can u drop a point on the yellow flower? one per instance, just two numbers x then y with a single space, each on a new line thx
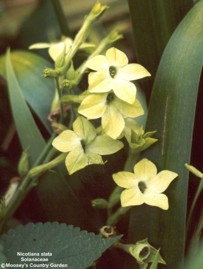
144 185
57 49
111 109
83 145
114 73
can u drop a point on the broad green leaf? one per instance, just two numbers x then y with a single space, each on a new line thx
195 261
28 132
153 23
64 244
41 26
37 90
171 113
61 18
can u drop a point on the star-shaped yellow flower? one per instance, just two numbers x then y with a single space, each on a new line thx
83 145
144 185
114 73
111 109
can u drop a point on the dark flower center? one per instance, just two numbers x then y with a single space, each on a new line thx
142 186
83 144
112 71
110 97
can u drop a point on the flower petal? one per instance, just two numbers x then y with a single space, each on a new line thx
133 72
131 197
104 145
94 158
40 46
84 129
99 84
129 110
145 170
112 122
66 141
124 90
76 160
56 49
161 181
116 57
125 179
97 62
159 200
93 106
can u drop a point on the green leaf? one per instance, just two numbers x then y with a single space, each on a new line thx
38 91
29 134
171 113
65 244
155 262
61 18
41 26
153 24
195 261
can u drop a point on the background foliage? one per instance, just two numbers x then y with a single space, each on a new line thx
165 37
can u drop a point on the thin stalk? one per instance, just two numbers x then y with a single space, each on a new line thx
199 189
60 99
116 216
103 45
29 182
81 36
114 198
195 241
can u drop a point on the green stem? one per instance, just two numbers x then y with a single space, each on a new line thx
60 99
116 216
81 36
112 37
195 241
114 198
199 189
29 182
131 160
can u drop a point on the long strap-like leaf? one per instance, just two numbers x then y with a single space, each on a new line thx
153 24
171 113
28 132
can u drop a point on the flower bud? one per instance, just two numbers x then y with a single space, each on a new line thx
98 9
100 203
194 170
23 165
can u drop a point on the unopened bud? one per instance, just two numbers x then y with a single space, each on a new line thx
58 127
100 203
98 9
52 73
194 170
23 165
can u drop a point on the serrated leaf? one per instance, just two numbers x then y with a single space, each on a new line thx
66 244
37 90
28 132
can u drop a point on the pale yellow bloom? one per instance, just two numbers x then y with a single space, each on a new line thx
83 145
57 49
144 185
114 73
111 109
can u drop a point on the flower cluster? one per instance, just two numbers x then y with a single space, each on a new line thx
111 93
111 96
